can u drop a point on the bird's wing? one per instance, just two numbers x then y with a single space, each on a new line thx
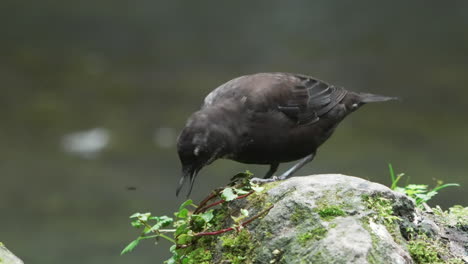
308 98
301 98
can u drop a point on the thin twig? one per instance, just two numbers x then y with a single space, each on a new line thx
222 201
167 230
167 238
157 232
147 225
257 216
217 232
207 199
183 246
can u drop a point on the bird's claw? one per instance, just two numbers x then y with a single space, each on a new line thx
260 180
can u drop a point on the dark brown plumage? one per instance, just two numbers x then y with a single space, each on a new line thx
265 118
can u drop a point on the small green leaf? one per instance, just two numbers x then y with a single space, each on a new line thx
144 217
185 204
173 249
207 216
183 213
162 221
416 187
172 260
135 215
130 246
228 194
244 212
136 224
248 173
240 191
175 256
184 239
166 219
257 188
182 229
400 190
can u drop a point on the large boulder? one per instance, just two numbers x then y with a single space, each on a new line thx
334 219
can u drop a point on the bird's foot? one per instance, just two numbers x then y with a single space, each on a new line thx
262 180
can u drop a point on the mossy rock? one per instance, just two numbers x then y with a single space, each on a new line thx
328 219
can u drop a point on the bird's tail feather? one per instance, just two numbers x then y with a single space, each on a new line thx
373 98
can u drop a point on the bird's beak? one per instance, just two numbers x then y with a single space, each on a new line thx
190 174
373 98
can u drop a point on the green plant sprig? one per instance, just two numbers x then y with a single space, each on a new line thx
419 192
189 225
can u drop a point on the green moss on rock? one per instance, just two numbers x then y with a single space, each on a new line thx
237 248
382 207
329 212
424 249
299 214
199 256
220 214
456 216
312 235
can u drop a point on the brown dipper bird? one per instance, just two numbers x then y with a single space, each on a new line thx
265 118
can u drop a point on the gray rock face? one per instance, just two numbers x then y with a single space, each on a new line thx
334 203
332 219
6 257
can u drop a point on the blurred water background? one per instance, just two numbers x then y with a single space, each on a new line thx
94 93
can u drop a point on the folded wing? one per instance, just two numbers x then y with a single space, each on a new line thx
310 99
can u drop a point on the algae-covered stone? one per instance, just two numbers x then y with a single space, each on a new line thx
330 219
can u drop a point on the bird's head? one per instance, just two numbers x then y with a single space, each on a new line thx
353 101
200 143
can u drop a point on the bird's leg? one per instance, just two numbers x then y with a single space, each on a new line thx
288 173
296 167
273 168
